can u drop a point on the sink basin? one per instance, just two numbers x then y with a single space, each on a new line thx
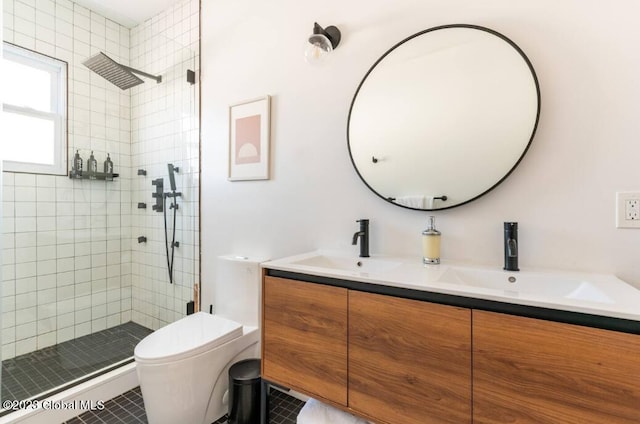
347 263
514 283
599 294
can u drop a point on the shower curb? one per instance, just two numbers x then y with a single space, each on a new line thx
101 388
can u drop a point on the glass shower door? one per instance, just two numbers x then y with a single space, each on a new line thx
78 288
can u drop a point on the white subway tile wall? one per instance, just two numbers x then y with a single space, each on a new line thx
164 129
71 261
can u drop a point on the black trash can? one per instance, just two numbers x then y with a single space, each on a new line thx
244 392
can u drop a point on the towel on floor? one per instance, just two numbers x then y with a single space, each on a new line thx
315 412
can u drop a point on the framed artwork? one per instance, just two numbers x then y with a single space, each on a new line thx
249 144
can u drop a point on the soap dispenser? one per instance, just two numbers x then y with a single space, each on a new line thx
92 167
431 243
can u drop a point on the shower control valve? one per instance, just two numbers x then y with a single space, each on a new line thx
158 195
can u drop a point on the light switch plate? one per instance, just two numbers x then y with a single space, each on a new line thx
628 209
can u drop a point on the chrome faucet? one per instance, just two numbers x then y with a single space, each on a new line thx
511 246
363 235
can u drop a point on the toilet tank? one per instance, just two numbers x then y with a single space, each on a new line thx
237 288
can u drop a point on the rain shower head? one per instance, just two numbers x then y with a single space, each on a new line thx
120 75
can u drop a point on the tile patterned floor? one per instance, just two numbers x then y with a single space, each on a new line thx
33 373
283 409
128 408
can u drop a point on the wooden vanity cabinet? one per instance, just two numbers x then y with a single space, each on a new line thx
402 361
534 371
409 361
305 338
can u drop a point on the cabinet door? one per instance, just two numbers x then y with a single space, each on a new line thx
305 337
539 372
409 361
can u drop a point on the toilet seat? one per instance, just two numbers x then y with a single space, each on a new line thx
185 338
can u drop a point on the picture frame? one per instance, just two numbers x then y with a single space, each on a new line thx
249 140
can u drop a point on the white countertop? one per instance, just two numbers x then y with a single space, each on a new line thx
597 294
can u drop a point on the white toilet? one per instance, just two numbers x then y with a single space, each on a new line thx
183 367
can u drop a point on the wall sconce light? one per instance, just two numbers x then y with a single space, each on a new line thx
321 43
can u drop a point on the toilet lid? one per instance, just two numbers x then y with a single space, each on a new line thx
187 337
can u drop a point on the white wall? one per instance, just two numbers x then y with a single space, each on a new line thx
562 194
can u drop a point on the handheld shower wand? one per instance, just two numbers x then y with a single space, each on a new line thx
172 178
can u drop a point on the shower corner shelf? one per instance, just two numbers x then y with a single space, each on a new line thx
98 176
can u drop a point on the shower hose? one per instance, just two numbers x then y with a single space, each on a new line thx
174 206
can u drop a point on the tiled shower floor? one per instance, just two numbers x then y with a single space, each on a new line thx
128 408
33 373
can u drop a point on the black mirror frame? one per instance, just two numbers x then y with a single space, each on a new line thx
476 27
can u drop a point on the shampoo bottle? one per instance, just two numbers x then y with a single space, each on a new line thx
431 243
92 167
77 165
108 168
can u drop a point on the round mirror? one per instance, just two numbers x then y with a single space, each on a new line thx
443 117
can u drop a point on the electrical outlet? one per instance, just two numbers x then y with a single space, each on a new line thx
631 209
628 210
